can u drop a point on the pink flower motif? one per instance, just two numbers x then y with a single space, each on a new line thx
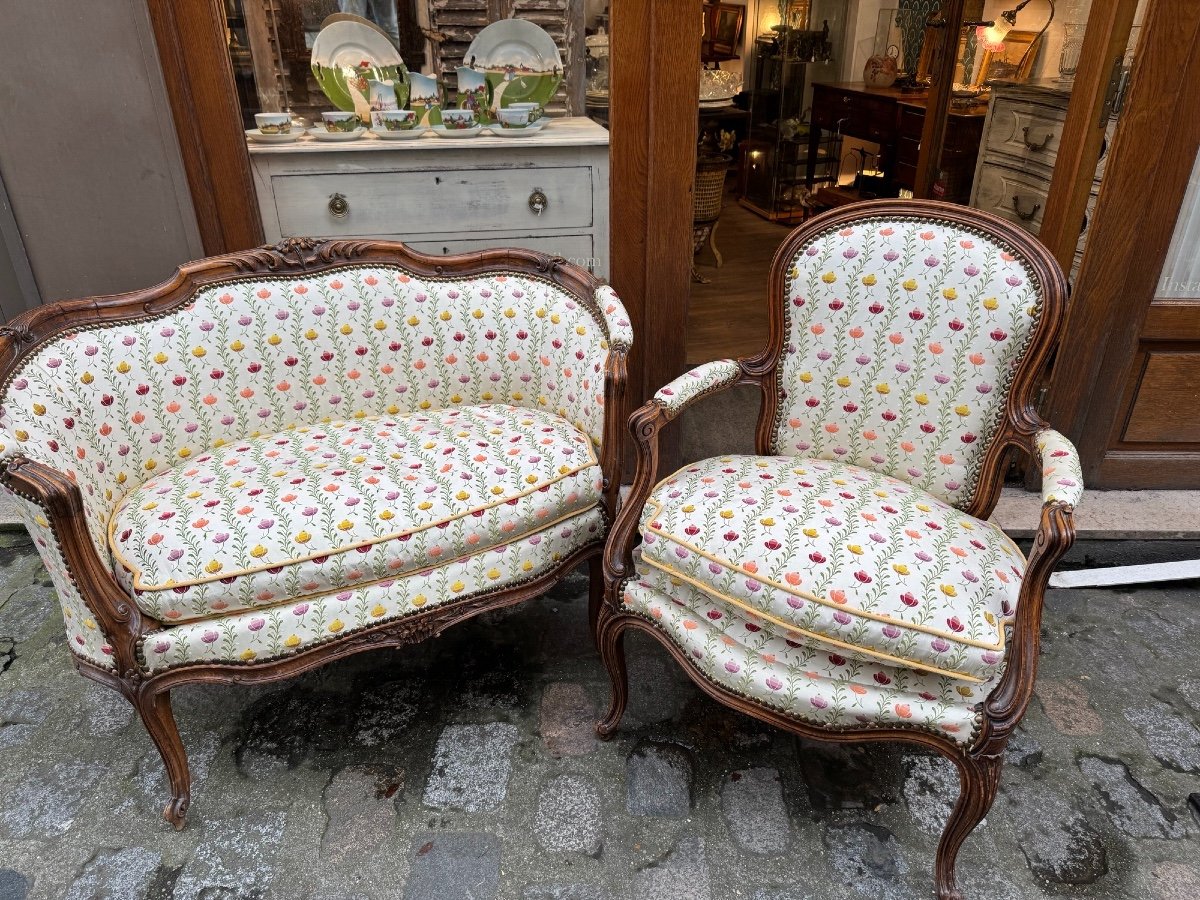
774 683
162 646
256 624
818 702
732 668
210 636
299 609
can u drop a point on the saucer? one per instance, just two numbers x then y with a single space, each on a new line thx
259 138
443 132
411 134
527 131
322 135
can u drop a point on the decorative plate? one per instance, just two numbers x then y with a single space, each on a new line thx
322 135
411 134
443 132
259 138
349 52
520 61
528 131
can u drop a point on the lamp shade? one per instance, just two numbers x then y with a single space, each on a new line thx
992 36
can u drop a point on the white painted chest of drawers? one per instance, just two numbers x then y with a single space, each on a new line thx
1017 155
442 195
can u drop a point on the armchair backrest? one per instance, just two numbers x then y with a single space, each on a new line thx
119 388
907 337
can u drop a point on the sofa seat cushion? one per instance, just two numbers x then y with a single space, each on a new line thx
318 509
800 677
295 627
870 566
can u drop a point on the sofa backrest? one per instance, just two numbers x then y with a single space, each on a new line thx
113 404
902 335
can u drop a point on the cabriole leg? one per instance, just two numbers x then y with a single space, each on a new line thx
979 776
155 710
610 640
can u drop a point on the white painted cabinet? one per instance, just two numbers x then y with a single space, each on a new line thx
443 195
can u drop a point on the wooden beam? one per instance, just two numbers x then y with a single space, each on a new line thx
263 55
208 121
1083 132
937 107
655 80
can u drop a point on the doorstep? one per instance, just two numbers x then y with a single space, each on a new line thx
1109 515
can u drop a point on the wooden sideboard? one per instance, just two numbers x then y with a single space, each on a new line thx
894 119
446 195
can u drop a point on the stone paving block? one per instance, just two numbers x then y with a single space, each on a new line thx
1175 881
1068 707
847 776
127 873
683 874
1060 846
564 892
105 712
282 729
46 804
1134 810
385 712
658 780
1189 689
868 859
658 689
21 711
1174 741
567 720
1023 751
569 816
237 857
782 893
471 766
930 791
752 804
150 778
448 865
360 804
13 885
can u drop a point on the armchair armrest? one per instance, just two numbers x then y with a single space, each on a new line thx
1062 475
708 378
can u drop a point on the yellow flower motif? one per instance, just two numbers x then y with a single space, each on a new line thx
274 340
806 377
811 532
21 435
424 505
237 346
727 514
336 625
900 568
921 399
392 409
213 567
380 325
444 315
526 566
555 318
540 313
42 520
950 294
579 329
531 478
457 398
184 452
910 285
387 515
419 600
39 409
86 378
486 395
193 495
345 525
123 367
378 610
855 549
844 381
497 490
346 328
883 388
151 464
962 409
518 395
923 507
248 655
292 641
990 303
768 522
965 691
829 278
461 495
493 574
259 551
311 334
149 506
413 320
510 313
199 352
457 586
477 314
160 357
690 508
88 623
949 590
989 618
869 280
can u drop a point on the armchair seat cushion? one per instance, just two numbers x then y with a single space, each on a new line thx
864 564
797 676
320 509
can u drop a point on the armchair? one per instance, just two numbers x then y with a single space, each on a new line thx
285 456
844 584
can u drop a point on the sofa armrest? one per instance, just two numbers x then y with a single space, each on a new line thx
1062 474
620 331
707 378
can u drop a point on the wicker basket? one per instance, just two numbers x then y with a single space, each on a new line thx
708 196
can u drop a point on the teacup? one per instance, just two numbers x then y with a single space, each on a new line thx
535 111
339 121
513 118
397 119
273 122
458 119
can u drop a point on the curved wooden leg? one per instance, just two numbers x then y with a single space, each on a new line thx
595 589
979 776
155 710
610 640
712 244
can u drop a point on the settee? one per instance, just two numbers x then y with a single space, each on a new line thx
285 456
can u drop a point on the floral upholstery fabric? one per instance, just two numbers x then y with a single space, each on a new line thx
849 558
318 509
902 336
84 636
295 626
687 387
795 675
1062 474
112 406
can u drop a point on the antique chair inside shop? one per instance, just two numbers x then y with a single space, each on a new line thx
845 584
285 456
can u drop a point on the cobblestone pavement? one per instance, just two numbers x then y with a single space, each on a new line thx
466 768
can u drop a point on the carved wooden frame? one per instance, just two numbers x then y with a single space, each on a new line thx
120 620
979 763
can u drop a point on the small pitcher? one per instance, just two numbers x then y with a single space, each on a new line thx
474 93
425 98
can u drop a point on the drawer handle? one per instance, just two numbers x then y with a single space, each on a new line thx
1024 217
538 202
339 206
1041 145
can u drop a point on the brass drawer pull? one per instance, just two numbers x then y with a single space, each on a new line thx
1024 217
339 206
538 202
1040 146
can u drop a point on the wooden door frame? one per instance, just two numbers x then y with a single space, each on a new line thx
1130 233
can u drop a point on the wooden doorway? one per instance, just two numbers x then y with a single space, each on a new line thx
1126 386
